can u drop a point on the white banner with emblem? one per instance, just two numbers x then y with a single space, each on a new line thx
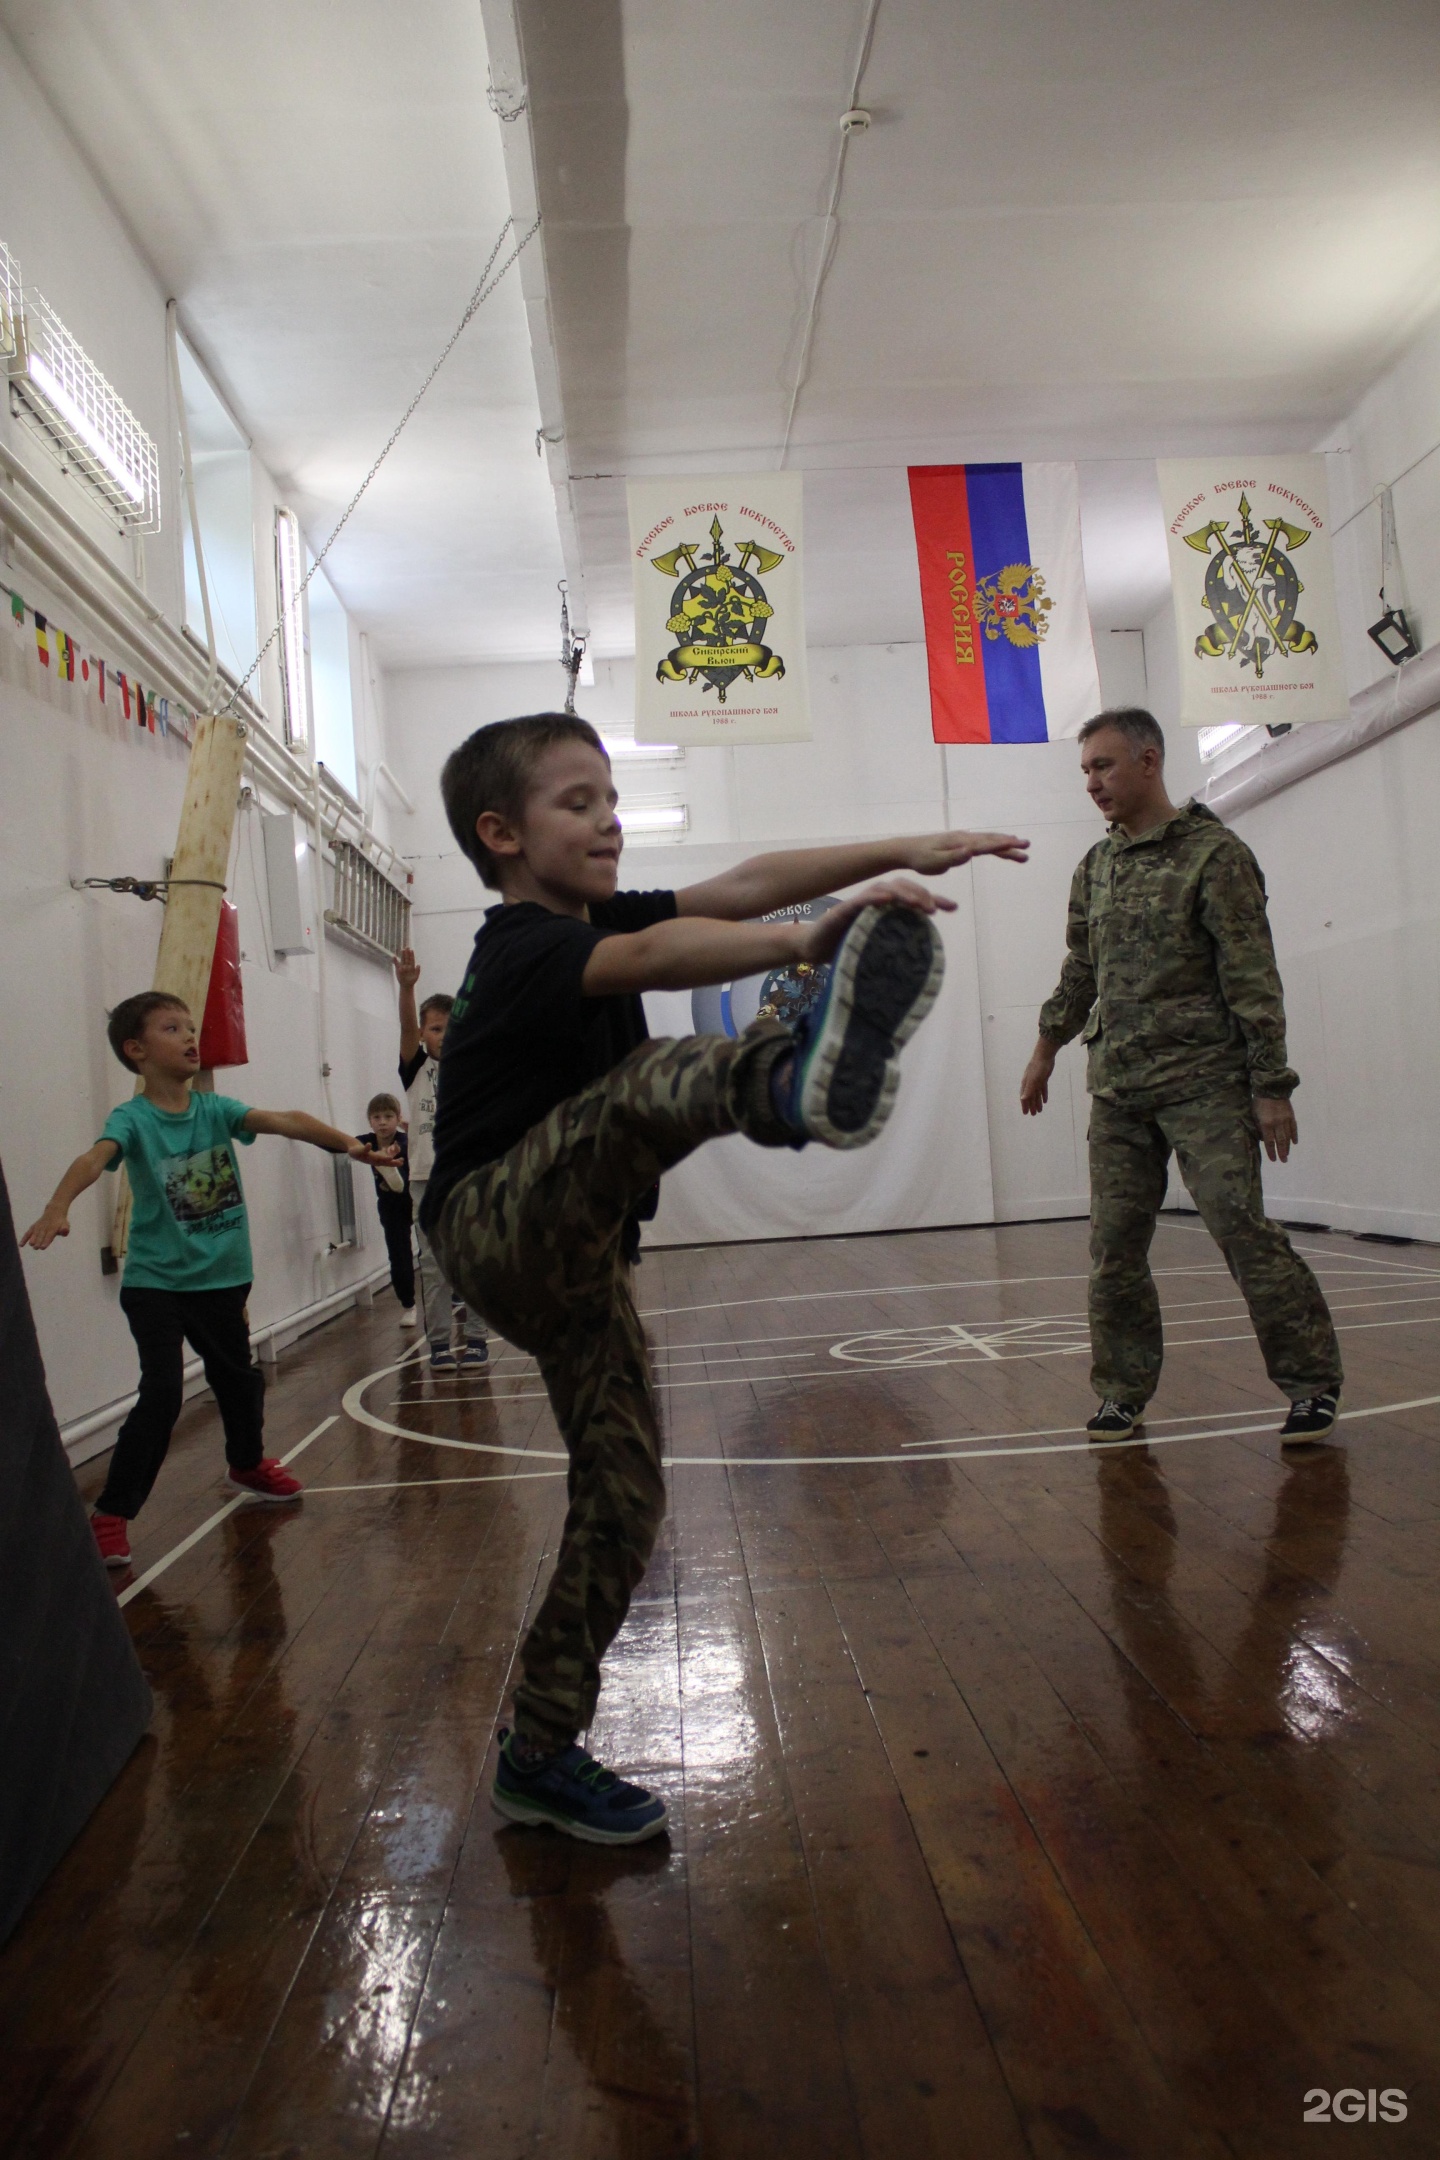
719 610
1254 586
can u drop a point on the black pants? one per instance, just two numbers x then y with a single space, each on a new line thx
162 1322
395 1220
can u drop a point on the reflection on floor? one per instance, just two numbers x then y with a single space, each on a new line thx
1028 1798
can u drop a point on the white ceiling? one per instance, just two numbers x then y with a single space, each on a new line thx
319 187
1103 229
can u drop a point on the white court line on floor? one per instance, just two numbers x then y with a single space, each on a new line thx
178 1552
490 1477
1006 1282
742 1349
833 1373
961 1447
1312 1252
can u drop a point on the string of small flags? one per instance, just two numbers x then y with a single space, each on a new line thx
58 651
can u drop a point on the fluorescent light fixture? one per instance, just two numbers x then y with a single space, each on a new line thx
289 549
624 750
57 390
1215 739
75 417
655 817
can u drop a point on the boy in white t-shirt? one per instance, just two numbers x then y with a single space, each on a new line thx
422 1035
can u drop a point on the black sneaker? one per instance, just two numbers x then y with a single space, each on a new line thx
1311 1417
883 981
1113 1420
575 1794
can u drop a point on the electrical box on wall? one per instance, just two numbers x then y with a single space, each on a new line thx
289 883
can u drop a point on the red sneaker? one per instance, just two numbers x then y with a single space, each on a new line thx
269 1480
112 1537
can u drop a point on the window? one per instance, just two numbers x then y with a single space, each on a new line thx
332 700
294 639
220 457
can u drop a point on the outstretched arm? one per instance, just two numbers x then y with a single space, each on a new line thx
299 1125
688 953
407 974
767 882
82 1173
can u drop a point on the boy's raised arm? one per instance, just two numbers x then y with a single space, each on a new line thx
82 1173
688 953
793 875
407 974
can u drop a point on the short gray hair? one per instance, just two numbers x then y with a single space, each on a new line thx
1141 729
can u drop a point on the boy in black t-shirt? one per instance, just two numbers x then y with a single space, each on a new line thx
392 1200
422 1037
556 1117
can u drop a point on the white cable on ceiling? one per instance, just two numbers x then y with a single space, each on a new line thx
831 233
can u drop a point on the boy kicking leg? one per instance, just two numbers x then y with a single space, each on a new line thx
556 1117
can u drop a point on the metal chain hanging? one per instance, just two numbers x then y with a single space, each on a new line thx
572 650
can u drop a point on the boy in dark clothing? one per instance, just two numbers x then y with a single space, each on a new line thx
422 1037
392 1200
556 1117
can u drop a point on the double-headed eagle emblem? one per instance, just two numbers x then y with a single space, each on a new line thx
1251 591
716 611
1014 603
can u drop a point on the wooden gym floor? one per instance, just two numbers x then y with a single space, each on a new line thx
1028 1798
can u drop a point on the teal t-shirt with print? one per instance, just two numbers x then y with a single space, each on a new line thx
188 1229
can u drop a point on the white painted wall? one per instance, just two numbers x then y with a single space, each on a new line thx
86 795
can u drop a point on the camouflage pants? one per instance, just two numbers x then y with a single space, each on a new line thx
1216 1142
533 1242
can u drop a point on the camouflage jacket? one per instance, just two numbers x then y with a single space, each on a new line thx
1171 969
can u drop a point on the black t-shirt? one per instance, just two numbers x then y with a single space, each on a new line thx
523 1036
382 1190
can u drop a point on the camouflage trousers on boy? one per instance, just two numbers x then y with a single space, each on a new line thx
533 1242
1216 1143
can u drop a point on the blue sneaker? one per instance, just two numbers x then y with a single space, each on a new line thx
475 1357
442 1357
883 981
575 1794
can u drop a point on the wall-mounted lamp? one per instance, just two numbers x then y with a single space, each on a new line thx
1393 635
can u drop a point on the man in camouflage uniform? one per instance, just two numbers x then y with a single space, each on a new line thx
1170 978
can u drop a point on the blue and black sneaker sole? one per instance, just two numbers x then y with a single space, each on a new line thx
884 980
522 1808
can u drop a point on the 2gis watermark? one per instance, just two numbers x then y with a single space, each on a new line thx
1350 2105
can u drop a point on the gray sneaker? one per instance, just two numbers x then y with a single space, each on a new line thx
883 981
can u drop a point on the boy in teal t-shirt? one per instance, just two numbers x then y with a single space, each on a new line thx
188 1268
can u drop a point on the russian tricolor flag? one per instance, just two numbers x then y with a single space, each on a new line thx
1002 579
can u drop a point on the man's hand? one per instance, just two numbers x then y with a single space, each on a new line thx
1035 1082
407 968
55 1222
1278 1129
935 853
819 940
